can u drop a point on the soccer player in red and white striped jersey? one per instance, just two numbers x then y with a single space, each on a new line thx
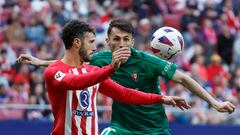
74 105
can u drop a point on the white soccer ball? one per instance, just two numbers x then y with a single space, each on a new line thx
167 43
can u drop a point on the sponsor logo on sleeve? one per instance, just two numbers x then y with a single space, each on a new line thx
59 75
166 68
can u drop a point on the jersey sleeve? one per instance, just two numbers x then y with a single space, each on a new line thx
159 67
59 79
128 95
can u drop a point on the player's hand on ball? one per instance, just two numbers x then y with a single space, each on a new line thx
119 56
176 101
225 107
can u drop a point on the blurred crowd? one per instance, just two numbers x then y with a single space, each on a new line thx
211 30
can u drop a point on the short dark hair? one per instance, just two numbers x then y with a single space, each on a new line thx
74 29
121 24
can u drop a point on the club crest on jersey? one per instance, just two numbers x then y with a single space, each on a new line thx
59 75
134 76
84 99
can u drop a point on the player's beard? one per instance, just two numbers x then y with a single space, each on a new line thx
83 54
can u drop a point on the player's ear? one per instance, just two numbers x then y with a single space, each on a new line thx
107 40
132 42
77 42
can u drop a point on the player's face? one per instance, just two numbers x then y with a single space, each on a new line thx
118 39
88 47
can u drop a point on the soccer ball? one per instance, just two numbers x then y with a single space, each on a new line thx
167 43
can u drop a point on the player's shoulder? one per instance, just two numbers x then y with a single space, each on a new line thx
104 53
56 64
102 58
52 68
145 56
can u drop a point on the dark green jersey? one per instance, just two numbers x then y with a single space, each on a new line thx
140 72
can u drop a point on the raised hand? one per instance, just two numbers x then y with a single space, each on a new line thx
176 101
119 56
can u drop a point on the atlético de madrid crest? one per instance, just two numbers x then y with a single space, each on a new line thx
134 76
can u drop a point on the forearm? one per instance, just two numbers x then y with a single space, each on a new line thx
198 90
131 96
127 95
45 63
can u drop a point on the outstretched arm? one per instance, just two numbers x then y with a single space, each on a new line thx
69 81
121 54
195 88
33 60
131 96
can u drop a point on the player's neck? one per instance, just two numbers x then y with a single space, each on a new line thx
72 59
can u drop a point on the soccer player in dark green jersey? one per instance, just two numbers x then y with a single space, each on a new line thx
141 71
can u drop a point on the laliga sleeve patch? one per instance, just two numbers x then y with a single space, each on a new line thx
59 75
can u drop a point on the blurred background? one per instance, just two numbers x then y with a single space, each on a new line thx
211 30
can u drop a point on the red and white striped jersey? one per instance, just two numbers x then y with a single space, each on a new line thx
72 94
